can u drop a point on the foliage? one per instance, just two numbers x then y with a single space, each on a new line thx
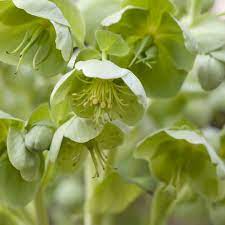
112 112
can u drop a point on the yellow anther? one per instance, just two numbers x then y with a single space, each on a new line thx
95 101
103 105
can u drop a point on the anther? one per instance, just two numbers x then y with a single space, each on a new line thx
103 105
95 101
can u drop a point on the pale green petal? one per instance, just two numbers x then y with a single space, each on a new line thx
82 130
113 195
116 17
136 87
100 69
42 8
62 88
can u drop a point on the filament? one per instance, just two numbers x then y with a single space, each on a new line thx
39 36
102 96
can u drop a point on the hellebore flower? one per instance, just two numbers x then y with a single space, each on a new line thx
79 136
102 91
35 33
158 54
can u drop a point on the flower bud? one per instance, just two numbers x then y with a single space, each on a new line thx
39 138
210 71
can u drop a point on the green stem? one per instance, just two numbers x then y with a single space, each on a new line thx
89 218
90 182
110 162
41 212
104 55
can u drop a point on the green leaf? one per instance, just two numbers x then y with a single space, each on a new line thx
113 195
110 43
181 155
163 202
22 159
14 190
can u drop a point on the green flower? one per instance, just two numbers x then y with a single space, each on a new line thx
181 156
77 137
35 34
158 54
102 91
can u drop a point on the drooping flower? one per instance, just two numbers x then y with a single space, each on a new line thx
35 34
102 91
158 54
77 138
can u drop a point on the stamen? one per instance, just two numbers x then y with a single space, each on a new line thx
43 40
100 159
102 95
33 39
35 36
25 39
95 163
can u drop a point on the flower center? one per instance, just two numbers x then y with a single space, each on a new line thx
40 36
102 96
